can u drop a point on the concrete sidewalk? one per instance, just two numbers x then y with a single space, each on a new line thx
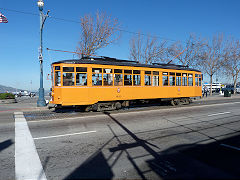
218 97
23 104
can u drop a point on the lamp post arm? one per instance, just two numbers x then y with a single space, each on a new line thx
44 18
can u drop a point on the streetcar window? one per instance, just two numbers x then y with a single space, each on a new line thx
178 80
107 79
172 73
68 69
190 81
57 78
107 70
184 81
81 69
196 81
165 80
148 81
184 74
164 73
81 79
117 71
155 73
96 79
57 68
178 74
136 72
68 79
200 82
127 71
127 80
147 72
97 70
136 80
155 80
172 80
118 79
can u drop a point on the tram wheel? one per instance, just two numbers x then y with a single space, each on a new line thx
118 105
175 102
187 101
88 108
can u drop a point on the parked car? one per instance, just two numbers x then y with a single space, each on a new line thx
215 87
24 93
32 94
238 89
231 88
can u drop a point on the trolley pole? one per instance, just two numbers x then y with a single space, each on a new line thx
41 100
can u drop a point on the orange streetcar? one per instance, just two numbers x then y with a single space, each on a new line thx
107 83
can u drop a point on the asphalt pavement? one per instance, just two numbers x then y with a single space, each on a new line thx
197 141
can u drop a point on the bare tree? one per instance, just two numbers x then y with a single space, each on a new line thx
186 53
146 50
211 56
97 32
231 64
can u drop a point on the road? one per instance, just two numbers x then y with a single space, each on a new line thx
188 142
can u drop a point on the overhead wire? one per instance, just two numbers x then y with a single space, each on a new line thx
78 22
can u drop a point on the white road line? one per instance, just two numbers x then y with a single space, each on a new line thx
133 112
232 147
219 114
62 135
27 162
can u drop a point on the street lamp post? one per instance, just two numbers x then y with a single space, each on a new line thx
41 100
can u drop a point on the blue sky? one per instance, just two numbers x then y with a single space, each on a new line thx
171 19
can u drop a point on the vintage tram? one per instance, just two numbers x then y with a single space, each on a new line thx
105 83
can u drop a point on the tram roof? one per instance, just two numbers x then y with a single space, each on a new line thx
117 62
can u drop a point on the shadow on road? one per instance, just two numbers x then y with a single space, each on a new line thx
96 167
5 144
215 160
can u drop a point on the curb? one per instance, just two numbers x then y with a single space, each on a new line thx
8 101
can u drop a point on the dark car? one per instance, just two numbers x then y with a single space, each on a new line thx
229 88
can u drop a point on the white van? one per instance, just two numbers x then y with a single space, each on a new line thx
216 87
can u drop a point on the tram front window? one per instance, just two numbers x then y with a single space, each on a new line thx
68 79
57 78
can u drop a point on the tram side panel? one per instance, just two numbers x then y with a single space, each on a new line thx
75 96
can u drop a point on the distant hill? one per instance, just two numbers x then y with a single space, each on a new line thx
9 89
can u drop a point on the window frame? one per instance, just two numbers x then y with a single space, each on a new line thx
99 73
165 74
105 73
149 75
69 72
138 74
57 70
